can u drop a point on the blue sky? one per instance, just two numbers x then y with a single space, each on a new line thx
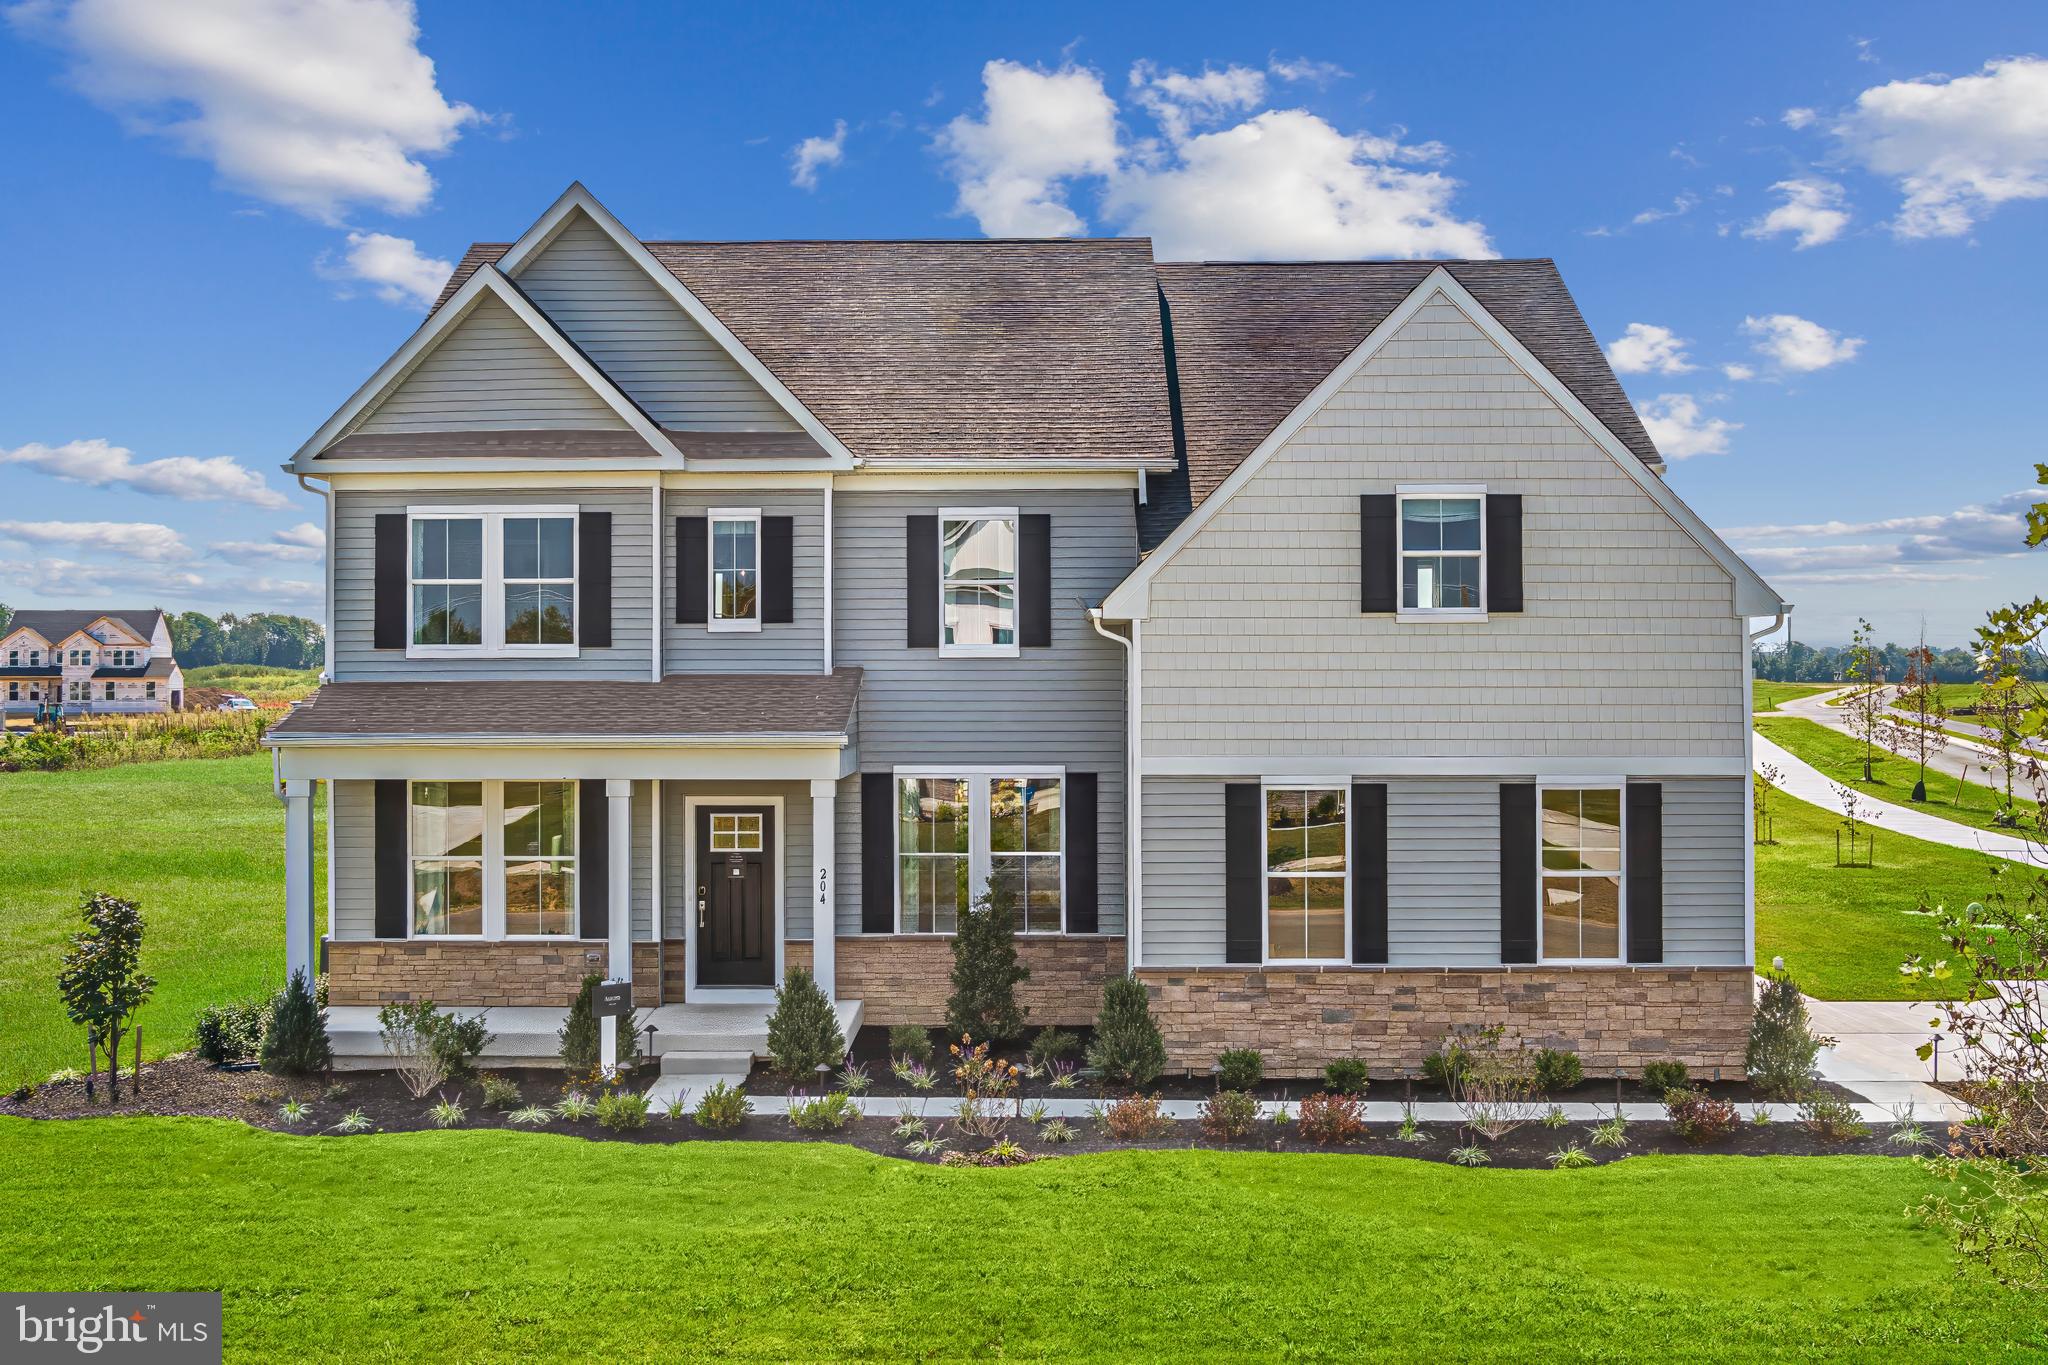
221 217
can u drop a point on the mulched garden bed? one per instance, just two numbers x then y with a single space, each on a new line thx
187 1086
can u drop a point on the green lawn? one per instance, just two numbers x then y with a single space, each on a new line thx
199 842
489 1246
1840 756
1767 696
1844 930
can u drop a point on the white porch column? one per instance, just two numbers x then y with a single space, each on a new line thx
298 877
618 793
824 924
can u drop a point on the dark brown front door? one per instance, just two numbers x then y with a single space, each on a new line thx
735 917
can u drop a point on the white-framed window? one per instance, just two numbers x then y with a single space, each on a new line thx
14 691
1308 859
149 690
14 658
446 832
960 832
1442 538
539 824
493 859
1581 898
80 690
735 568
736 832
491 581
35 658
978 582
110 690
80 657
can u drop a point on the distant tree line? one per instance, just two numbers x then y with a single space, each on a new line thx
254 638
1829 663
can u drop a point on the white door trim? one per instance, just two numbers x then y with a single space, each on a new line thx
738 995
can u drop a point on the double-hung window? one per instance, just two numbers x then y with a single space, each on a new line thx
149 690
539 821
499 581
735 575
447 829
1580 874
960 834
110 690
493 860
1443 552
1307 858
978 582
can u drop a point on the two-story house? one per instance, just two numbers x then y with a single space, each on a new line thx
701 610
89 663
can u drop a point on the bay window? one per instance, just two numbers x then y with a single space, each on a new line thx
1442 544
1579 845
493 860
978 583
960 834
1307 861
492 581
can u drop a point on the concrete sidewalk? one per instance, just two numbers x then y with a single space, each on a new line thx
1807 783
1875 1055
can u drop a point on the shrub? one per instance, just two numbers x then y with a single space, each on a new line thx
1557 1069
854 1078
1571 1157
457 1042
295 1043
1699 1118
723 1107
1831 1118
1554 1117
580 1040
1240 1068
575 1106
102 983
407 1031
1127 1049
1782 1043
292 1113
1471 1155
910 1043
826 1114
1495 1085
1611 1132
988 1086
1134 1118
1326 1118
986 970
354 1121
500 1093
803 1032
1053 1045
1056 1131
1445 1066
530 1115
1229 1114
1410 1130
622 1111
1663 1076
447 1114
1346 1076
230 1032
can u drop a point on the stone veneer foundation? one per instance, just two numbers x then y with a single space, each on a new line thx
1392 1017
382 972
905 979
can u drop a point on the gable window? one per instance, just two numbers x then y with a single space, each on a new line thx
14 658
492 581
1307 855
1443 551
962 833
447 829
978 583
540 859
735 576
1579 878
35 658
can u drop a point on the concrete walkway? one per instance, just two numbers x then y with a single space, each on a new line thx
1964 758
1875 1055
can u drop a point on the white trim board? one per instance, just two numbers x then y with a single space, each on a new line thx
1131 599
1325 767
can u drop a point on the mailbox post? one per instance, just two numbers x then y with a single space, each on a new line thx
610 1000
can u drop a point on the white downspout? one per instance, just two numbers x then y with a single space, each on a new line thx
654 594
1133 787
1749 806
828 574
326 496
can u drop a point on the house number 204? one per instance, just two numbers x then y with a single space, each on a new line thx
824 885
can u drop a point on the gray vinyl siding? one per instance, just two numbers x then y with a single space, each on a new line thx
1183 843
354 555
794 647
491 372
353 913
639 336
1443 873
1059 705
643 860
678 899
1705 871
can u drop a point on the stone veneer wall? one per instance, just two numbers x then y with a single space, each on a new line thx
1391 1017
385 971
905 979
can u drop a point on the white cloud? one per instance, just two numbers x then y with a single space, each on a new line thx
144 540
100 464
69 580
272 593
1680 430
263 551
1798 118
1737 371
315 105
1648 349
1813 210
1681 204
1303 69
394 268
1279 184
814 154
1958 147
1893 549
305 533
1795 344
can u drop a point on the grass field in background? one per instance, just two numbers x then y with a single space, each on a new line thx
198 842
1840 757
1767 696
509 1246
257 683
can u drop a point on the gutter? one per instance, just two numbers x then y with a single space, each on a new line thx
754 740
1133 789
326 496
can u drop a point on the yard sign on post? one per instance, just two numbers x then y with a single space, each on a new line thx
608 1002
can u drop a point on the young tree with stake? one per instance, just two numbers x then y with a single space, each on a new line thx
1920 698
102 982
1869 720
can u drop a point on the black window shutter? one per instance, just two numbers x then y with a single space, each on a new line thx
593 859
1379 558
388 856
1369 872
594 552
1517 872
1244 871
392 554
1083 915
1034 580
1503 551
1643 824
693 549
878 853
778 570
921 581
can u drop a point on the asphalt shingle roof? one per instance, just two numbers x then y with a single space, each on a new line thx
58 625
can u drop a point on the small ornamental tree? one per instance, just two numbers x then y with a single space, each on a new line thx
803 1032
1869 719
296 1042
986 970
102 982
1920 698
1127 1049
1782 1043
581 1042
2010 709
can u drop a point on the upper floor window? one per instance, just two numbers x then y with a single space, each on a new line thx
978 582
149 690
14 658
735 569
1443 550
1307 848
492 581
1580 875
80 657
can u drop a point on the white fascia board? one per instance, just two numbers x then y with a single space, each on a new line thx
577 199
470 762
1543 767
487 280
1131 599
